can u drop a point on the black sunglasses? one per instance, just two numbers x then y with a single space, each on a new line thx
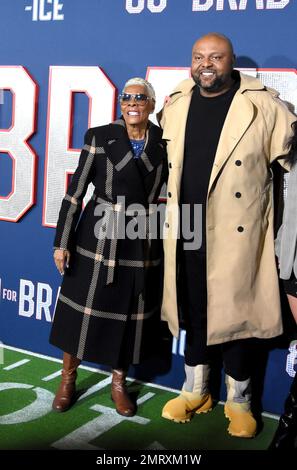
138 97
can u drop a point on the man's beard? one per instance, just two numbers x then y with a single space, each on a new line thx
218 83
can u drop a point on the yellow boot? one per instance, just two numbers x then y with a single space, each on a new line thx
182 408
194 397
238 409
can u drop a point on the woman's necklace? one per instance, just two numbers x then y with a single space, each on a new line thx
137 147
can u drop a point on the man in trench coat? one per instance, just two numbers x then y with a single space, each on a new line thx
223 130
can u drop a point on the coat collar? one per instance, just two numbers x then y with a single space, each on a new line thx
120 152
247 82
118 149
233 128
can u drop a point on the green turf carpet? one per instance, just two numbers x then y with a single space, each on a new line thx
27 386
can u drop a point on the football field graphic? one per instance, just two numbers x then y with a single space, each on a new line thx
27 386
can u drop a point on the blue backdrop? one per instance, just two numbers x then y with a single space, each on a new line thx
124 38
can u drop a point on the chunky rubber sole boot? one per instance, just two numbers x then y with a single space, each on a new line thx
182 408
242 422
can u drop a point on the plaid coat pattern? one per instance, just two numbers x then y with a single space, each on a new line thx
109 303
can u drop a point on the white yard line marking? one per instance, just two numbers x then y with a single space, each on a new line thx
17 364
51 376
145 397
95 388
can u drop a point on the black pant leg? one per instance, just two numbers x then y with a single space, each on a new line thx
237 358
193 301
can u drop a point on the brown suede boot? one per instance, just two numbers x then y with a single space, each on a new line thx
66 391
119 394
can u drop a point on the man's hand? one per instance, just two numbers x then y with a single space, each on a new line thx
62 258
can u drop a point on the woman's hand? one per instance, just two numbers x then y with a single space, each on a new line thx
62 258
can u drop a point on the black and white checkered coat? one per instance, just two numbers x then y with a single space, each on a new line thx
108 307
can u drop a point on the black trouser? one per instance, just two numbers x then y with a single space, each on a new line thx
192 294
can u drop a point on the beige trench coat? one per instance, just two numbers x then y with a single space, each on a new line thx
242 284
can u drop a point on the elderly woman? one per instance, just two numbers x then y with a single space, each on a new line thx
110 296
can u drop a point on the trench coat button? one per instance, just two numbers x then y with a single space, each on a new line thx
240 229
238 195
238 162
170 165
169 194
166 224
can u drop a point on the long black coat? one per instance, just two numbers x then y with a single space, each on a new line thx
109 305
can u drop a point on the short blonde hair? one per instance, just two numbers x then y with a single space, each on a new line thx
141 81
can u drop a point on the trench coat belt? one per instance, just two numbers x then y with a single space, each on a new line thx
111 221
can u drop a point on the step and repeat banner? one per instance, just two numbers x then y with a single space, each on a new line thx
62 64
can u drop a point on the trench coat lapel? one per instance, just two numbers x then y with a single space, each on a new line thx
176 127
232 132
